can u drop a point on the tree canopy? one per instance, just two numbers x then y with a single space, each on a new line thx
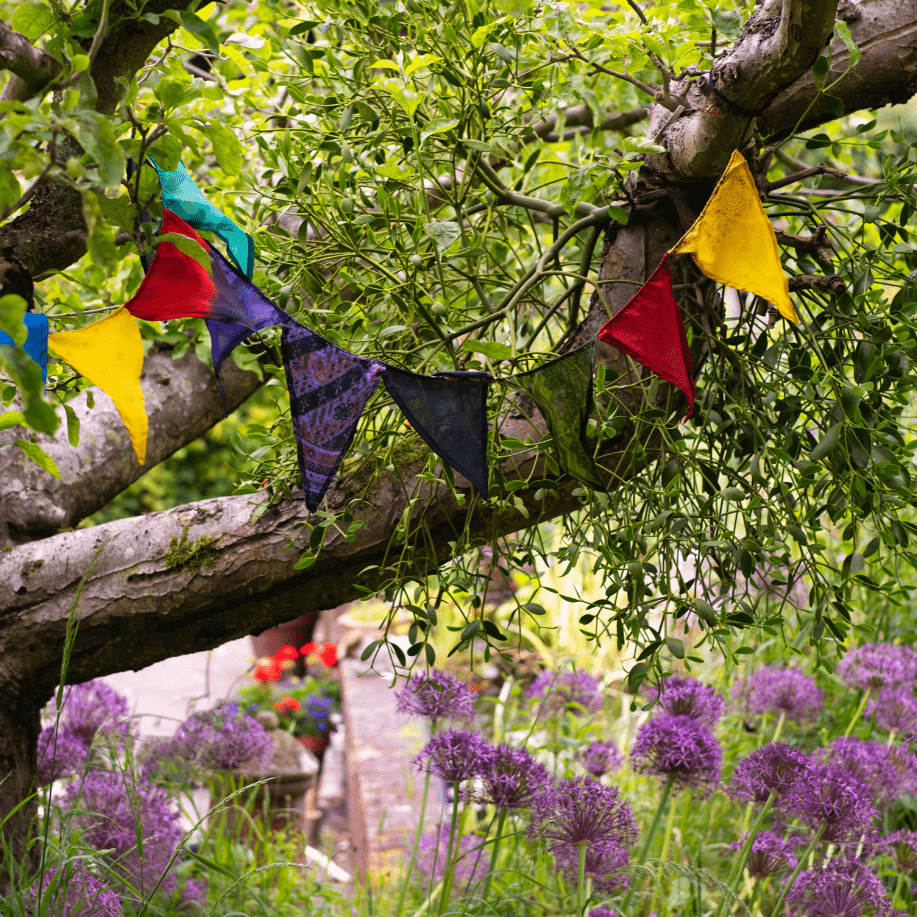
467 186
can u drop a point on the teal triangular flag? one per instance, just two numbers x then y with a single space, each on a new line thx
182 196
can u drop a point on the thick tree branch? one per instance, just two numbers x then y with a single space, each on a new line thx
31 68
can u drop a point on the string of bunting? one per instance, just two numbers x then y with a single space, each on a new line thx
732 242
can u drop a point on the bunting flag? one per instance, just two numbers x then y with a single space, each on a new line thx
650 329
238 310
183 197
36 342
176 286
562 389
329 388
448 411
733 242
110 355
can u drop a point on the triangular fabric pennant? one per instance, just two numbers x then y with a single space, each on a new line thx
109 354
329 388
238 310
183 197
562 389
176 286
733 242
650 329
36 342
448 411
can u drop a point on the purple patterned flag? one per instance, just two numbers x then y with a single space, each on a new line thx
329 388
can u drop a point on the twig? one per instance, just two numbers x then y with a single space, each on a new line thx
96 43
203 74
820 169
832 283
638 11
644 87
27 196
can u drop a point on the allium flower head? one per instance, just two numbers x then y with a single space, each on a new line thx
94 707
903 847
870 762
770 853
512 778
584 811
774 768
826 796
436 695
455 756
772 689
223 739
76 891
895 709
433 850
111 809
603 912
875 666
680 695
601 757
63 756
842 888
562 690
679 747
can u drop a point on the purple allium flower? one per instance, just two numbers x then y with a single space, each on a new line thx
842 888
601 757
436 695
895 709
74 890
94 707
772 689
903 847
870 762
774 768
112 810
770 853
434 848
826 796
223 739
879 665
512 777
563 690
64 758
573 812
679 695
680 747
454 756
603 912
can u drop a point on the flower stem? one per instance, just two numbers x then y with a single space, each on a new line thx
407 876
581 878
644 850
858 713
450 856
493 856
781 719
791 881
735 874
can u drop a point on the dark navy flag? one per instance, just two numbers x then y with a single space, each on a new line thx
329 388
449 412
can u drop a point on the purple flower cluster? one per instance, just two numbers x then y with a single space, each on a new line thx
603 912
455 756
895 709
566 691
433 850
681 748
90 710
772 689
436 695
873 763
223 739
571 813
840 888
679 695
775 768
878 666
512 778
76 891
903 847
601 757
124 817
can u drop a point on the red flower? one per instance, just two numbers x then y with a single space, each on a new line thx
329 654
292 703
278 705
309 648
287 652
269 672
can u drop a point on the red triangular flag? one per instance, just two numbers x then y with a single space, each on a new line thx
650 329
175 286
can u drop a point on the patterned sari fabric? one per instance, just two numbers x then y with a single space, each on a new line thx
183 197
449 412
36 342
329 388
562 389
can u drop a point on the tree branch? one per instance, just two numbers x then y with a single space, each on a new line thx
31 67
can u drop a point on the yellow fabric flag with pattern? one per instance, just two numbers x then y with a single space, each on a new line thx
733 242
110 355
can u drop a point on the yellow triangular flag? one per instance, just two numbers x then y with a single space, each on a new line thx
110 355
733 242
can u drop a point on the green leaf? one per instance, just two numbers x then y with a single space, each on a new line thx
39 456
227 148
395 171
733 494
479 35
857 563
26 374
32 19
493 350
676 647
200 29
444 233
384 65
439 126
820 68
12 419
188 246
641 145
573 190
12 310
843 32
73 426
827 443
478 145
618 214
167 152
422 60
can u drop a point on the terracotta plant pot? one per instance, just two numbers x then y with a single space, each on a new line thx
315 744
